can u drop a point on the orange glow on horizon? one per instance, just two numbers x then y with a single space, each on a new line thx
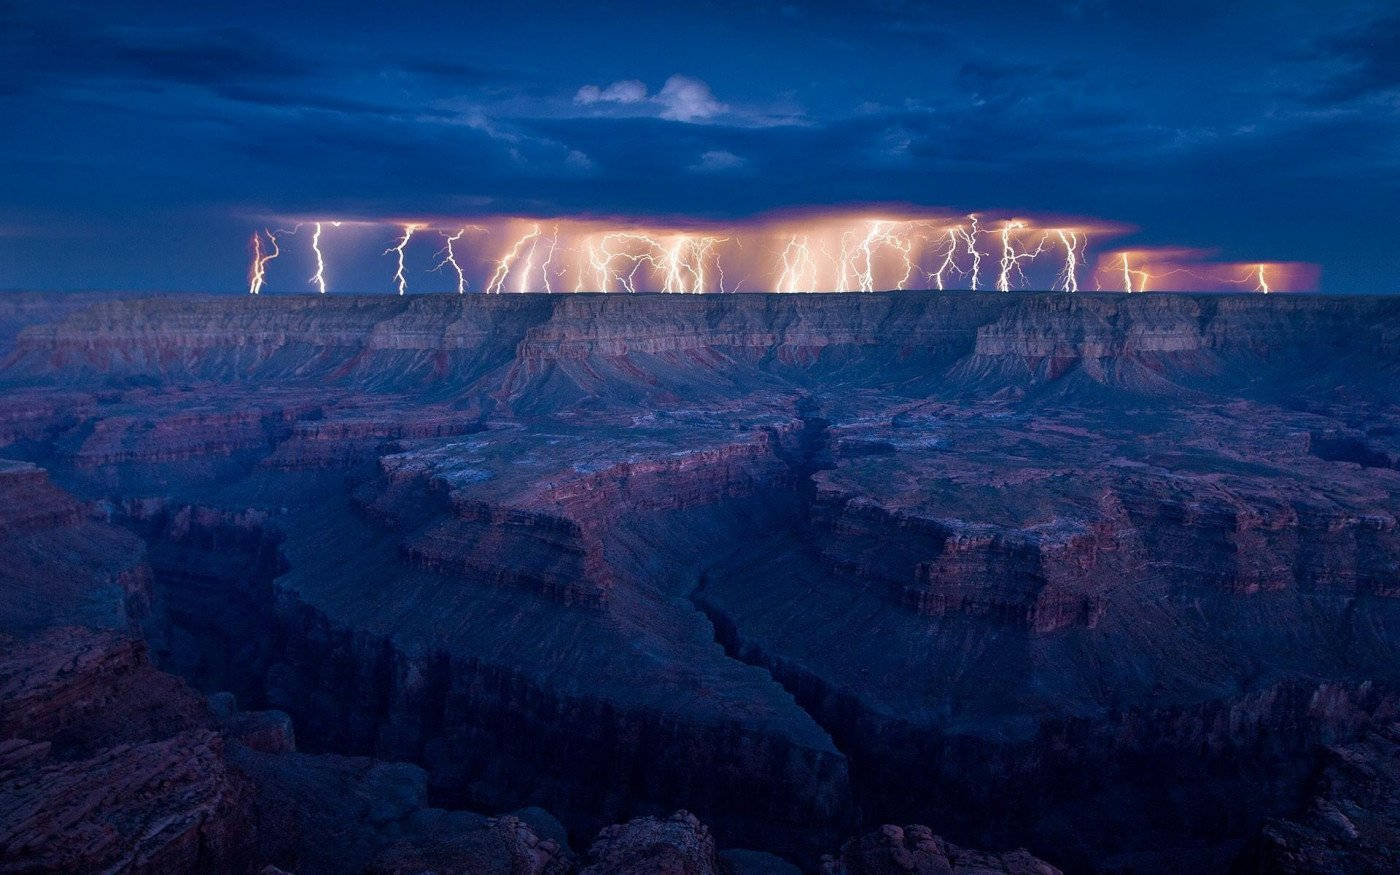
1191 270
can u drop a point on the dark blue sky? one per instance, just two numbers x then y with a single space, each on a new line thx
144 140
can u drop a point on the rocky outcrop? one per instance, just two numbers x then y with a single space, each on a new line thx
107 764
894 850
677 845
1351 820
75 688
504 845
161 806
550 536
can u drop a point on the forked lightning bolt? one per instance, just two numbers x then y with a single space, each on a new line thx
450 257
496 284
399 279
799 268
257 271
1129 275
949 263
970 238
1068 281
858 255
1011 258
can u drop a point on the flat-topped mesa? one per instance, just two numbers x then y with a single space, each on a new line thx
298 339
1250 541
359 433
540 552
1045 585
188 434
507 345
549 532
1032 525
1044 581
1173 326
678 479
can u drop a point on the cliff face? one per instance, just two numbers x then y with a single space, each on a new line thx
519 343
797 564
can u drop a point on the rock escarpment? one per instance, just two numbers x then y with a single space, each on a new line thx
1093 575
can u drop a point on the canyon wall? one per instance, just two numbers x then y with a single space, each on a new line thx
1097 575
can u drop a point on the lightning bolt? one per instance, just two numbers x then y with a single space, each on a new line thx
399 279
970 238
1254 273
549 259
799 268
1129 275
450 257
319 278
257 271
599 264
949 256
683 263
858 255
1010 258
522 284
680 260
1068 280
496 284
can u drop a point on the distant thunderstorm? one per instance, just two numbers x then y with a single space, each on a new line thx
834 252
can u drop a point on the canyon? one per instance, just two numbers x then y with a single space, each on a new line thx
731 583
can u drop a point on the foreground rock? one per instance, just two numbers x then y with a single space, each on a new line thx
677 845
896 850
107 764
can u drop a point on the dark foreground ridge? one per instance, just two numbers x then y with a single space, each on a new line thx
501 583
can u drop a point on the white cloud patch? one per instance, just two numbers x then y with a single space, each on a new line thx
681 98
717 161
684 99
627 91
